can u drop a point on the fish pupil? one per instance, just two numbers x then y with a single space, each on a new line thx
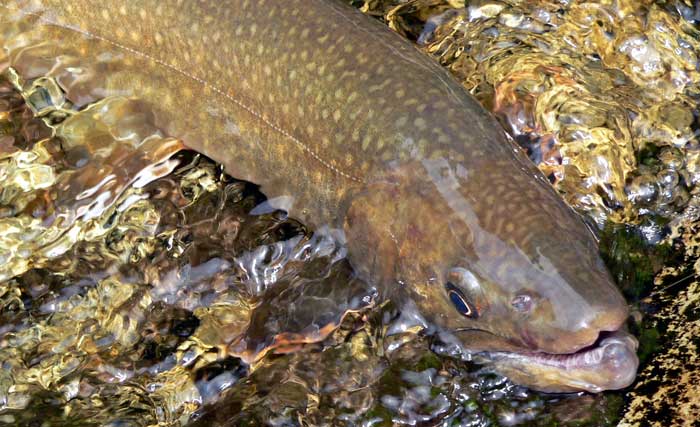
460 301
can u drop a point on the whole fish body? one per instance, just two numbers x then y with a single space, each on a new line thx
343 123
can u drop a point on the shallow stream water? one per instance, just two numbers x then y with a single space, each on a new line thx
119 285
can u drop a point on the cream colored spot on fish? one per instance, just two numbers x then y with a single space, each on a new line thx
168 98
336 116
348 48
355 135
267 70
304 55
105 15
310 129
253 29
420 123
135 36
239 31
401 121
325 113
366 142
305 33
338 93
400 93
122 10
158 37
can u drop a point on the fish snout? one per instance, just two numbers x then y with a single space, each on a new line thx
584 328
607 314
601 320
610 317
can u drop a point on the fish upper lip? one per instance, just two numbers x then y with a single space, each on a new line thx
619 335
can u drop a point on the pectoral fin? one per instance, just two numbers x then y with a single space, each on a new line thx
301 311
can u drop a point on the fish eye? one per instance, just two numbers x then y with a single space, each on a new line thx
461 302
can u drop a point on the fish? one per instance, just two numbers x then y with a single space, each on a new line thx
344 124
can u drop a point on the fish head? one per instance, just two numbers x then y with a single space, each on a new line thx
501 263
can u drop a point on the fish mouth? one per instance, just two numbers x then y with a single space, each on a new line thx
610 363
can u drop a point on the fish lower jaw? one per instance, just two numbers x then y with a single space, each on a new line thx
608 364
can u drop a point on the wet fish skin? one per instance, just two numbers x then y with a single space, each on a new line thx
311 99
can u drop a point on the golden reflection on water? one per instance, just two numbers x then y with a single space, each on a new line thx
122 287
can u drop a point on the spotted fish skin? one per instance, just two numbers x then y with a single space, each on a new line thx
287 94
350 126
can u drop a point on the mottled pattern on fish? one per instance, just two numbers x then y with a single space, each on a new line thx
275 96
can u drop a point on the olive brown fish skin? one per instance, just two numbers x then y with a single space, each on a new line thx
313 100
